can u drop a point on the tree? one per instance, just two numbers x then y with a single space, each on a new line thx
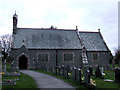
6 43
117 56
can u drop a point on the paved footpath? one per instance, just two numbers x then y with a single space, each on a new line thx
47 81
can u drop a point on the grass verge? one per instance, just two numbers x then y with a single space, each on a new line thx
24 81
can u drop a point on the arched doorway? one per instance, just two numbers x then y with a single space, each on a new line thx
23 63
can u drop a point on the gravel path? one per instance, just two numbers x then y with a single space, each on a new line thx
47 81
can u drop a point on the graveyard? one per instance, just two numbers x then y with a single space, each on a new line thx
107 82
17 81
24 81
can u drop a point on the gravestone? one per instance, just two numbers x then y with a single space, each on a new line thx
79 75
59 69
113 64
6 82
12 63
91 71
62 69
4 66
12 74
74 73
66 71
119 63
56 67
87 78
34 66
102 70
98 73
117 74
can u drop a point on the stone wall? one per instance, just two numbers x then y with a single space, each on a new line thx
56 57
103 58
53 56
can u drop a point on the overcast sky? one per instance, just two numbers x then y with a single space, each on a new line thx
88 15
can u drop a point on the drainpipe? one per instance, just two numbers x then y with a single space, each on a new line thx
36 64
56 58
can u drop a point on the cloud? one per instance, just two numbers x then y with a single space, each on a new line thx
86 14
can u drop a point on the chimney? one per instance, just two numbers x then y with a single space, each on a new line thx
15 19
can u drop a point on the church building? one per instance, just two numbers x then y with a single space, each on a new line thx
45 48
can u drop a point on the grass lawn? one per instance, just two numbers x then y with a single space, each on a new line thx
24 81
100 83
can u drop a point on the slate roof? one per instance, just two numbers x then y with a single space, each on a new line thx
46 39
93 41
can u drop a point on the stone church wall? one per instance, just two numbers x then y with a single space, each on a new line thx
54 55
103 58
